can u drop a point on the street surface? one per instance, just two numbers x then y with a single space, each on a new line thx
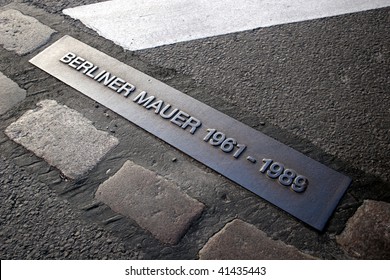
320 86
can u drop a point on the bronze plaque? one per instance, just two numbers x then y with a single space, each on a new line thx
290 180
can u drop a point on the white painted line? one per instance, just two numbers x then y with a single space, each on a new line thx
141 24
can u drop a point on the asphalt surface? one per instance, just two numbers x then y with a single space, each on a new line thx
321 87
326 81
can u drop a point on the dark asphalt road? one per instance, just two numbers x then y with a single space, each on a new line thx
326 81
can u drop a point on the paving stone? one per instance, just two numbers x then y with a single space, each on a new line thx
10 94
243 241
62 136
154 202
22 34
367 234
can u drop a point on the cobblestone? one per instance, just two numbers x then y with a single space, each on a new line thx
10 94
240 240
63 137
37 224
155 203
367 234
22 34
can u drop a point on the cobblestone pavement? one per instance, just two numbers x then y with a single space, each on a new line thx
37 224
79 182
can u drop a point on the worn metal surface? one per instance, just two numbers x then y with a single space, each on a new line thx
297 184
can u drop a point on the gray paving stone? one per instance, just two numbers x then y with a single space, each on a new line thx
367 234
62 136
239 240
22 34
10 94
154 202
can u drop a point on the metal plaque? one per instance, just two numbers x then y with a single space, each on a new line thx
290 180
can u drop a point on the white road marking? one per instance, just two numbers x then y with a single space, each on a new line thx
141 24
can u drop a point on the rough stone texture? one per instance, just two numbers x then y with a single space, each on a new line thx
155 203
62 136
10 94
243 241
22 34
37 224
367 234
